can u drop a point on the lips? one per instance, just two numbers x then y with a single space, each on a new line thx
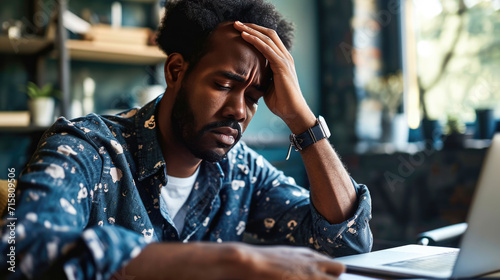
226 135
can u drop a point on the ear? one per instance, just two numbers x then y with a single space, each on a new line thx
175 68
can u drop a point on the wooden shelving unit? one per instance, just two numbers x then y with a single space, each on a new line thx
52 45
24 46
114 53
65 50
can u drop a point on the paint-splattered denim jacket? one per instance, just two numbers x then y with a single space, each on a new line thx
88 201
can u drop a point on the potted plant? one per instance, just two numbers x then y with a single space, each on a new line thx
484 99
41 103
455 134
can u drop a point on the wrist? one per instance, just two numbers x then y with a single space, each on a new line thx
300 122
221 260
309 137
176 260
236 260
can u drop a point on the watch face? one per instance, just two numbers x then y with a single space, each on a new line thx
324 126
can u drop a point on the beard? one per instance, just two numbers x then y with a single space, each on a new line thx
183 125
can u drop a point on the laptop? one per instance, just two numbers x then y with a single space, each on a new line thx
479 251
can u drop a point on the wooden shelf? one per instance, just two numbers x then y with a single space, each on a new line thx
23 46
114 53
22 129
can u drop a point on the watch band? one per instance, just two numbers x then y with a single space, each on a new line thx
309 137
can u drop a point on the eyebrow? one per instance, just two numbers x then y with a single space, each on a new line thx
239 78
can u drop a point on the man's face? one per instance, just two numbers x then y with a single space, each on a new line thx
219 97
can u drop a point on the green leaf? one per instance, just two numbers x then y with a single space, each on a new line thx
46 90
34 91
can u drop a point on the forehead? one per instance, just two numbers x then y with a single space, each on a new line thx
228 50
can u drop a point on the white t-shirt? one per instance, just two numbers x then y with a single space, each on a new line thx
174 195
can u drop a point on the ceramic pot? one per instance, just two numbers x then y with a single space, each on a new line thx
42 111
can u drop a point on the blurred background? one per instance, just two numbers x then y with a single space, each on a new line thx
408 89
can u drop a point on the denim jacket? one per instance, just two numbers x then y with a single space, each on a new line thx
88 201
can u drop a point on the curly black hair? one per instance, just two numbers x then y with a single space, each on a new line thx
187 24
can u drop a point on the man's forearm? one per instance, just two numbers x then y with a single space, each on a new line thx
199 260
332 191
182 261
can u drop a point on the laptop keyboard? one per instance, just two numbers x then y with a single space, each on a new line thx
435 263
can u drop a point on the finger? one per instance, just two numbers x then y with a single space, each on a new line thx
280 64
328 277
270 39
280 59
332 267
324 263
270 33
266 50
316 276
267 36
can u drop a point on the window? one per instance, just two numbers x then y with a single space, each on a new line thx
457 55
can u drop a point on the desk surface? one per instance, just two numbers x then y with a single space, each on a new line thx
352 276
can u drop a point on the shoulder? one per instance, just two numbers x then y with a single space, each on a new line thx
92 128
104 123
93 123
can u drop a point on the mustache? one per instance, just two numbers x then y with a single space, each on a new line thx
226 123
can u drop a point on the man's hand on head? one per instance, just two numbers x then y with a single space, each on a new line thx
284 98
332 192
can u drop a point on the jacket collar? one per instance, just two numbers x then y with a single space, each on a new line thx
150 158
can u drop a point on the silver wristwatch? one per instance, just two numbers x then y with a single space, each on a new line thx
309 137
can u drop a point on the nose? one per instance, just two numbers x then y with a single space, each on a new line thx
234 107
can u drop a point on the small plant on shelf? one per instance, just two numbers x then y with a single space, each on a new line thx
34 91
41 103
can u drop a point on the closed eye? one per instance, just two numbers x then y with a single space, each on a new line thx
221 87
253 100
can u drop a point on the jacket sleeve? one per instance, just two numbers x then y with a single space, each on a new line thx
284 214
50 236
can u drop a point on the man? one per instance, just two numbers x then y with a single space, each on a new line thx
114 196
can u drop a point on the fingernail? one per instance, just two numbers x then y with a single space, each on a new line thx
239 23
